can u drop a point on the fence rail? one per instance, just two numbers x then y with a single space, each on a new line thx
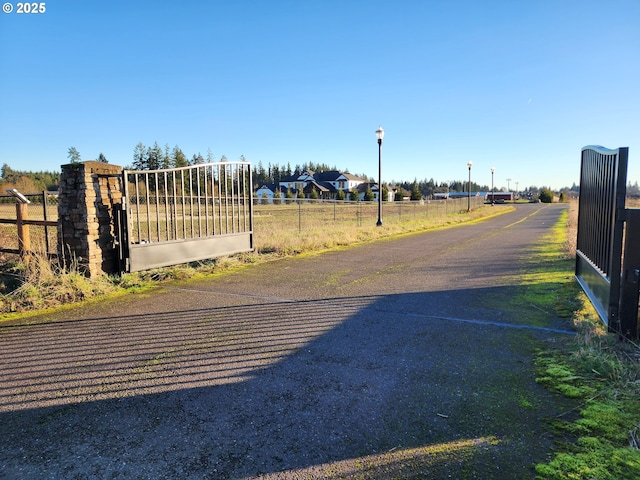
289 215
29 228
297 214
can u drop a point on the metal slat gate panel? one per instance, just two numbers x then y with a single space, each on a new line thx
187 214
601 217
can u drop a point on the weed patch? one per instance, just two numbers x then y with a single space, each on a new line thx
603 375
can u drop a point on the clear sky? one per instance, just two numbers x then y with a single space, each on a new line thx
520 86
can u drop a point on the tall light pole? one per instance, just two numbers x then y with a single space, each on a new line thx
469 189
493 192
379 136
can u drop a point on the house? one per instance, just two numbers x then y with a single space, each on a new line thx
324 184
267 192
321 185
362 189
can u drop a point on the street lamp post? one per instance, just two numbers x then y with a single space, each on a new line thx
493 192
379 136
469 188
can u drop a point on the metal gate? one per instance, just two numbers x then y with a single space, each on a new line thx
611 286
186 214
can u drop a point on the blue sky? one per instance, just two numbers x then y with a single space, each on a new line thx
520 86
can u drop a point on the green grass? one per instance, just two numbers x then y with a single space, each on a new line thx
601 373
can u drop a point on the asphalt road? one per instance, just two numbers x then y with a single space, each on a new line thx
393 359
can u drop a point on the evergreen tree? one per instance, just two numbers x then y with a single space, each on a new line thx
6 171
166 158
154 157
178 158
260 174
276 174
140 157
102 158
385 193
368 194
415 191
197 159
73 155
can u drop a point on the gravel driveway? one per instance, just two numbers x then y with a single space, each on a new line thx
387 360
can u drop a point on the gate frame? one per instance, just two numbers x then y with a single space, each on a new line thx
601 230
161 253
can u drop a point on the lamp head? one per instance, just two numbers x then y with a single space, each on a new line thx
380 134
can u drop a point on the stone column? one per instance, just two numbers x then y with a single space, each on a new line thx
89 195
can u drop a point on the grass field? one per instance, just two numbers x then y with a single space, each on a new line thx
286 227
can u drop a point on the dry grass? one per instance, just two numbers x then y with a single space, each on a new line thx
279 230
287 230
572 228
42 285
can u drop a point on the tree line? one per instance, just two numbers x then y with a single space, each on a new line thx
155 157
28 182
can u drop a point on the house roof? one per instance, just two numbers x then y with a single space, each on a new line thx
363 187
273 187
333 175
327 176
348 176
320 186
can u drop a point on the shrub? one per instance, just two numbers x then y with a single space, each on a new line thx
546 196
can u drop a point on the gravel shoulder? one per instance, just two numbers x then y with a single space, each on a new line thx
387 360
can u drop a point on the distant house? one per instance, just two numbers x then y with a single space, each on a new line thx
362 189
498 197
324 184
267 192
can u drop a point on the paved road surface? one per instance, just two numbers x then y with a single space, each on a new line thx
388 360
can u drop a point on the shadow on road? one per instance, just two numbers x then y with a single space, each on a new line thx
381 386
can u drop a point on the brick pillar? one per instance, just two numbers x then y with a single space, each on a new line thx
89 195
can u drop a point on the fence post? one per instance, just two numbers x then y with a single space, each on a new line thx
630 281
46 227
90 192
24 238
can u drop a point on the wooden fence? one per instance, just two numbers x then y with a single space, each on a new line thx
27 228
